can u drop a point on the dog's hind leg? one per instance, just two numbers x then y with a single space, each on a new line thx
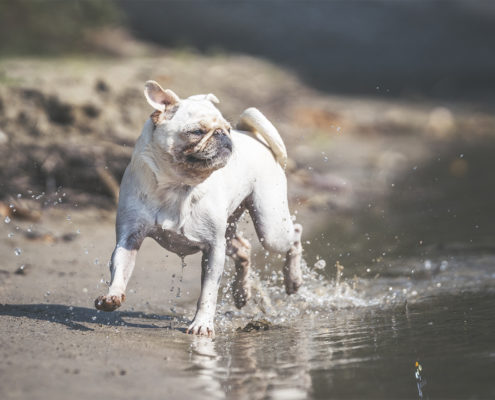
239 249
121 267
292 268
276 231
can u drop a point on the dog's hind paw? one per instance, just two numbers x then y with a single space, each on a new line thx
242 293
292 286
109 303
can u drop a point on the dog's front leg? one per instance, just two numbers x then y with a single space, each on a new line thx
211 273
121 267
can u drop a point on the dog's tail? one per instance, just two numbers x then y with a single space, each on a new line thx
252 120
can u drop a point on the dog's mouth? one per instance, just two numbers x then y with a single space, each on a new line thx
208 161
214 156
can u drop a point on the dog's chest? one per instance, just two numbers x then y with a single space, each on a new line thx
181 215
176 242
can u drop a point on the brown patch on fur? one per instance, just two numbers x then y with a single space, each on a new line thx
157 116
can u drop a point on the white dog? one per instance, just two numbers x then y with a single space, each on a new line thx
189 180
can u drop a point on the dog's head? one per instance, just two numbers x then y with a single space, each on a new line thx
191 134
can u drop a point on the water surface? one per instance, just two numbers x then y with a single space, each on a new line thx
426 334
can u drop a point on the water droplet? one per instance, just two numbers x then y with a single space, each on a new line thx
7 220
96 262
10 235
320 264
17 251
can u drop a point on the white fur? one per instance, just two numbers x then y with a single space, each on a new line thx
190 214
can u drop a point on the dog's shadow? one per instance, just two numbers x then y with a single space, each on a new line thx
75 317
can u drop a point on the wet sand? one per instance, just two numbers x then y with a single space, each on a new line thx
55 342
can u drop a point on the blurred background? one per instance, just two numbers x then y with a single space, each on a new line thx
387 108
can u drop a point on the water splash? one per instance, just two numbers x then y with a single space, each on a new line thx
173 301
183 265
402 283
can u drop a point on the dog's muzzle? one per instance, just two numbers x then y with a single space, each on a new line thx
225 142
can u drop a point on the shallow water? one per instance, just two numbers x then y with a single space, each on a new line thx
360 338
361 353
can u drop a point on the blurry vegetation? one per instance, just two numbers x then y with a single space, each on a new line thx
52 27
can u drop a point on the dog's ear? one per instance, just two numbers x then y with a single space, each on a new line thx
159 98
210 97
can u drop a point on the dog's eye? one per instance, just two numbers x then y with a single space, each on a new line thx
197 132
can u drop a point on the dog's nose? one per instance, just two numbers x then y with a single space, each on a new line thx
225 141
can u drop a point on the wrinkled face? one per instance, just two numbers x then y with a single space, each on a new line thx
197 136
193 136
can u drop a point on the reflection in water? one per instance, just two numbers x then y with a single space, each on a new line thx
246 365
205 360
420 381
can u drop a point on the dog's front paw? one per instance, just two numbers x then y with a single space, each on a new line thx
202 328
109 303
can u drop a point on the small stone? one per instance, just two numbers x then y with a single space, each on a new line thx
23 269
